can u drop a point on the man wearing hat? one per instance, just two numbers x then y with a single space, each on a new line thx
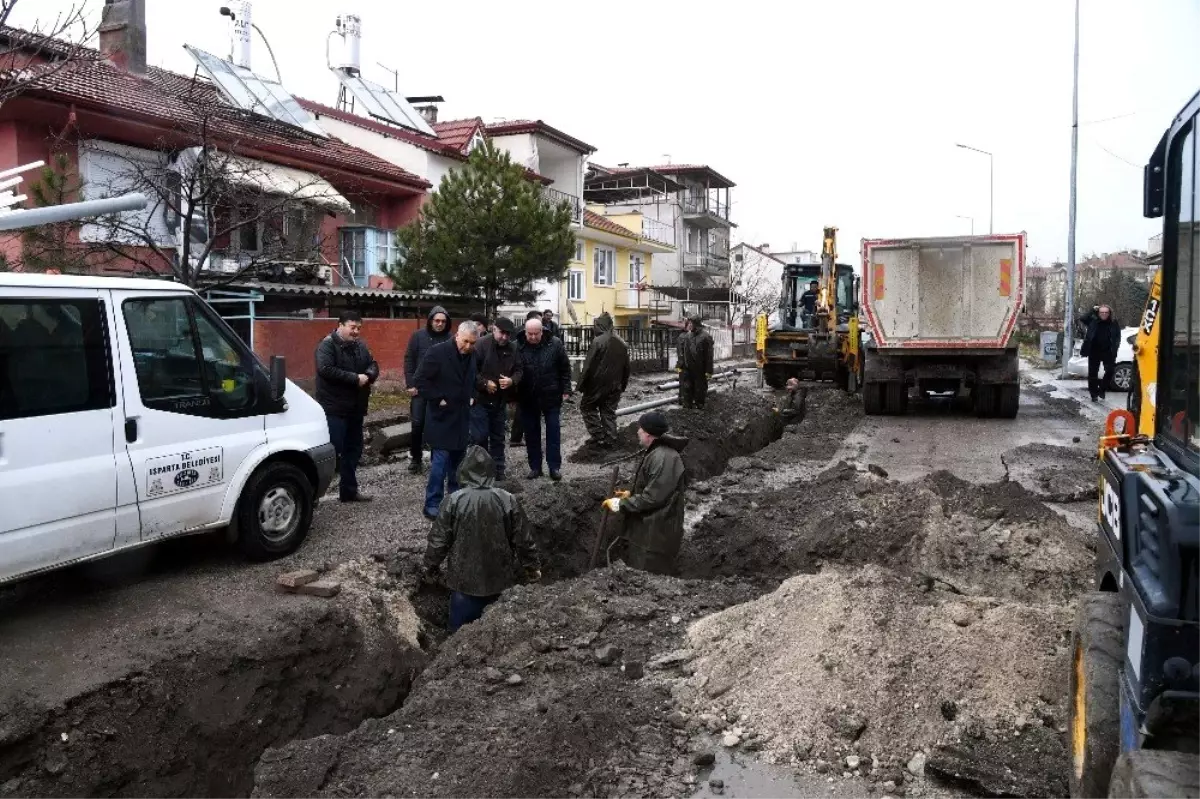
497 372
653 509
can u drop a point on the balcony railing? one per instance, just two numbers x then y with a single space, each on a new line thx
693 205
644 299
660 232
558 197
707 263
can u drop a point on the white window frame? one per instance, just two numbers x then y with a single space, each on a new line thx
604 257
582 280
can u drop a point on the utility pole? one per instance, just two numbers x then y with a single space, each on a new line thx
1069 320
991 183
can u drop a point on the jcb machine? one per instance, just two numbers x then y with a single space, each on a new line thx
822 345
1135 669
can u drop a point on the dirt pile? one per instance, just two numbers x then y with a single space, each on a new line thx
1054 474
194 723
859 666
557 691
991 540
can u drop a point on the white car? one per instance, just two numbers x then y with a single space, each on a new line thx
1122 376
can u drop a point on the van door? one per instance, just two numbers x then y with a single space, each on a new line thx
58 466
193 408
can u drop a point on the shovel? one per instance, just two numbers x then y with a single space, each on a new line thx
604 516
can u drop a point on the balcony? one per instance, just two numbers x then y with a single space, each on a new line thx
558 197
658 232
705 212
710 264
645 299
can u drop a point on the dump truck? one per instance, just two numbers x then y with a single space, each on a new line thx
940 314
1135 649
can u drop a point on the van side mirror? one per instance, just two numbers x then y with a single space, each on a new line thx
278 377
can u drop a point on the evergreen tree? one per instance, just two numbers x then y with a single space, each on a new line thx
56 245
487 232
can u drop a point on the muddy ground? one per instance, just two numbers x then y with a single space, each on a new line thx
831 618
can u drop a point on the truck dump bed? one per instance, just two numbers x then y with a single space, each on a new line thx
943 293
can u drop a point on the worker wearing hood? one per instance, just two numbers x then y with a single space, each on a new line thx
437 330
694 363
483 537
604 379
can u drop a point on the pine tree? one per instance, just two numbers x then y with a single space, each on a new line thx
54 246
487 232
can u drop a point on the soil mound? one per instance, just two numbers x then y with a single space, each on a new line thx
858 662
1054 474
556 691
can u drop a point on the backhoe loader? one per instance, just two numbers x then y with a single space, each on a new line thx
823 345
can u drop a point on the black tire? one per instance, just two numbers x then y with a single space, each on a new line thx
1094 713
841 376
985 400
1152 772
872 394
896 397
1122 376
278 495
775 377
1008 400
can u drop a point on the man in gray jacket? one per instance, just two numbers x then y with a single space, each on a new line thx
481 534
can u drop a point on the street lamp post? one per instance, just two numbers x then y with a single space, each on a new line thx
991 183
1069 305
972 220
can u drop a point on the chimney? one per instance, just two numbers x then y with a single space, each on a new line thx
765 247
429 112
123 34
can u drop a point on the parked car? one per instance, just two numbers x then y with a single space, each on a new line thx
130 412
1122 376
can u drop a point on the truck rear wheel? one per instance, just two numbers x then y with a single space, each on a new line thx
1153 772
985 400
275 511
1095 713
896 397
873 398
1008 400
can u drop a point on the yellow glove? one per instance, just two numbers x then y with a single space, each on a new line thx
678 371
708 377
621 494
613 504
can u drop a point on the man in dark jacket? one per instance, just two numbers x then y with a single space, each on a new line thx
497 376
545 383
517 434
551 328
446 379
808 303
482 535
604 379
653 510
1101 343
694 363
345 373
437 330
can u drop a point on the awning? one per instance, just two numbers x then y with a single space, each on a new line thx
274 179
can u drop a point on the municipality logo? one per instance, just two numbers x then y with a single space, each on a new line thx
187 478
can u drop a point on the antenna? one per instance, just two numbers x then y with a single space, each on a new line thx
395 75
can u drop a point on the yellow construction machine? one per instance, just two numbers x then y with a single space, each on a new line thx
821 342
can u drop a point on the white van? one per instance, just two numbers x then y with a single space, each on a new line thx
130 412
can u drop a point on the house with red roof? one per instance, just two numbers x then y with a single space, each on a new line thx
109 115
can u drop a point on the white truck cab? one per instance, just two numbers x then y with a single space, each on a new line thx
130 412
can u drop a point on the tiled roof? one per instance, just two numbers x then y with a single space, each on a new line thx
458 132
599 222
512 127
171 100
421 140
719 180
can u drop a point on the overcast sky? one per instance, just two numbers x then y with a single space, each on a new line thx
842 112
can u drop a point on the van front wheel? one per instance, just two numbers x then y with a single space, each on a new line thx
275 512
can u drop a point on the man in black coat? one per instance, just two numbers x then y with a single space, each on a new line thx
446 379
437 330
604 379
545 383
1101 343
694 363
549 326
498 371
345 373
517 434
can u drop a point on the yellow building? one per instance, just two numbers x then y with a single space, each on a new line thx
613 258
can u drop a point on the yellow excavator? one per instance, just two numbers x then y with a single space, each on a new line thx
1135 650
814 338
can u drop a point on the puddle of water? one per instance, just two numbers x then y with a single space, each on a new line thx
745 777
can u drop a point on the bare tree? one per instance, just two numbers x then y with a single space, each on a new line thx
27 56
757 284
214 217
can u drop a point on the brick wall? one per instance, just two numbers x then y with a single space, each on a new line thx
297 340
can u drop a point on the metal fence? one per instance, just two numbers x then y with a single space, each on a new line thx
650 348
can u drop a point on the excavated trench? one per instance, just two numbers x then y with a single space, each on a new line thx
196 721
